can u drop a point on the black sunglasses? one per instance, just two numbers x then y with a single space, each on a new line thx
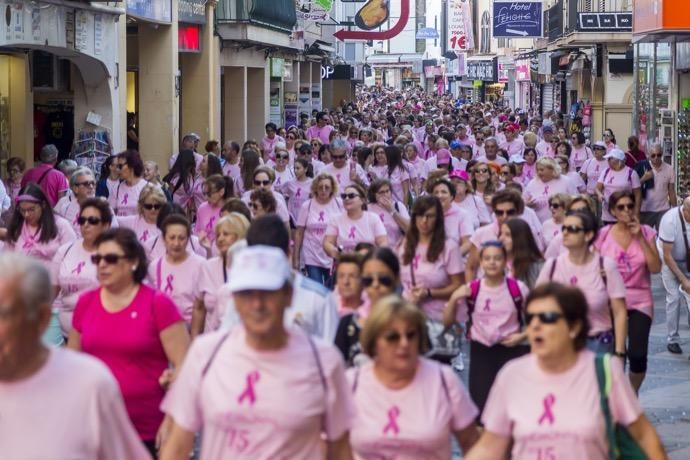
506 212
383 280
546 317
625 206
338 157
481 171
395 337
88 183
348 196
572 229
555 205
149 206
282 157
110 259
91 220
262 182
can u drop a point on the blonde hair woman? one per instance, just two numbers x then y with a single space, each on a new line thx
547 183
143 223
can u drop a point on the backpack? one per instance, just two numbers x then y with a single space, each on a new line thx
515 293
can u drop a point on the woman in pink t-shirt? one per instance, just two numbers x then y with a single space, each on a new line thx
125 197
457 222
597 276
474 207
615 178
548 182
282 169
216 189
178 273
355 225
136 331
151 201
492 306
633 247
524 258
393 213
184 181
297 190
551 228
529 168
73 272
389 165
398 389
580 152
548 405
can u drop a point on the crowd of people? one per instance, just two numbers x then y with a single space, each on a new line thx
316 293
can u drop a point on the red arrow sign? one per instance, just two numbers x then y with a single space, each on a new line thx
378 35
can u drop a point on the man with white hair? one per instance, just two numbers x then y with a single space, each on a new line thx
52 182
55 403
345 170
82 184
662 195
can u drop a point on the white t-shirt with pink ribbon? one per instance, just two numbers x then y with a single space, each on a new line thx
314 218
145 232
206 218
592 169
349 232
180 282
393 230
124 199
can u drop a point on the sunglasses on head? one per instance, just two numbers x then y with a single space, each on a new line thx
91 220
149 206
395 336
625 207
546 317
572 229
262 182
110 259
348 196
505 212
383 280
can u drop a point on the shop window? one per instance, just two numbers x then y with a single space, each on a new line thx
350 51
484 41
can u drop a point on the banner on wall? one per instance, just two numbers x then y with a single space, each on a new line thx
521 18
159 11
314 10
460 36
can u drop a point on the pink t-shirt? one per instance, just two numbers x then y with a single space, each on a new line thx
431 275
145 232
475 209
577 181
74 409
657 197
342 175
206 218
349 232
592 169
387 422
190 195
632 266
514 147
555 247
557 416
28 242
68 207
393 230
314 218
268 145
180 282
588 278
322 133
281 206
73 272
212 279
485 233
458 223
578 156
129 343
52 181
282 178
296 193
261 404
124 199
550 230
541 191
529 172
418 169
495 315
614 181
155 247
231 170
545 149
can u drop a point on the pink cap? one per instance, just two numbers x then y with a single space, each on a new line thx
460 174
443 157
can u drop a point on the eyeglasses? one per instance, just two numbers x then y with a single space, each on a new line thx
481 171
348 196
150 206
545 317
315 144
383 280
88 183
505 212
625 207
657 155
338 157
110 259
572 229
91 220
282 157
555 205
262 182
395 337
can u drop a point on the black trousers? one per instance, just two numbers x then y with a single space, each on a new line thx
485 362
639 325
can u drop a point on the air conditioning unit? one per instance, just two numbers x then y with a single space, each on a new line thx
48 72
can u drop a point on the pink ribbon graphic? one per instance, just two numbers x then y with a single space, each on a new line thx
351 235
210 224
248 392
337 177
623 259
415 261
546 190
392 424
611 180
125 199
321 216
145 235
168 284
547 415
298 194
381 216
487 305
78 268
573 281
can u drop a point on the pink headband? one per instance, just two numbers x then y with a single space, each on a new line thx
27 197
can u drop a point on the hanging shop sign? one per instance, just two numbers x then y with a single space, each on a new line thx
337 72
482 70
605 22
189 38
517 18
191 11
159 11
460 35
427 33
314 10
522 71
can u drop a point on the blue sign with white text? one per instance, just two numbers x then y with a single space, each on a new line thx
517 19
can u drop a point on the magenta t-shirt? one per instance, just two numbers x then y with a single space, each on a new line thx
52 181
632 266
129 343
557 416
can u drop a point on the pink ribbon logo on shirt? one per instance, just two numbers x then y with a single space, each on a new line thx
611 180
573 281
168 284
78 268
487 305
209 225
546 190
337 177
351 235
321 216
28 244
248 392
547 416
381 216
623 259
125 199
392 424
298 194
415 261
145 235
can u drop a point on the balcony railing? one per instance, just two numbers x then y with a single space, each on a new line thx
568 16
272 14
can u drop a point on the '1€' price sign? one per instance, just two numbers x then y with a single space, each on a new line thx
460 36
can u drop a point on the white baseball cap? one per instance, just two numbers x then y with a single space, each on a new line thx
616 154
262 268
517 159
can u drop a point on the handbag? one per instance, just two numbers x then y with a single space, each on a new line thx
685 238
621 444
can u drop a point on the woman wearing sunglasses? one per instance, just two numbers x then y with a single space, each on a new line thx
151 200
580 152
354 225
547 404
216 189
633 248
125 197
296 191
134 329
261 202
407 406
282 168
264 179
552 226
35 230
73 272
393 213
481 181
580 202
598 276
82 185
492 306
549 181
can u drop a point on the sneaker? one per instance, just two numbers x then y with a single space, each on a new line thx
459 362
674 348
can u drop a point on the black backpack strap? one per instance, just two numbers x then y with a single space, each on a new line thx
43 176
553 269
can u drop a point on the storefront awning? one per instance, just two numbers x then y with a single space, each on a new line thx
393 58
